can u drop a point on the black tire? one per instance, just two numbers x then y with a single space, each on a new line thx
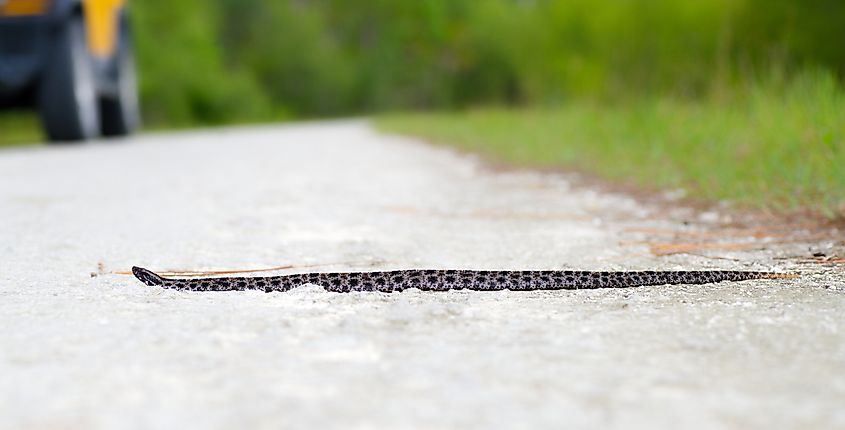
119 113
67 95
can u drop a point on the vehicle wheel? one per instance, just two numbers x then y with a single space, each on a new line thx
67 96
119 113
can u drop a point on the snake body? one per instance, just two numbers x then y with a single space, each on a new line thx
444 280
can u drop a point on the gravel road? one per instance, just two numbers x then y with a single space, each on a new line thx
81 347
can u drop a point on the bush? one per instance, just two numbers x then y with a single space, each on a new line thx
220 61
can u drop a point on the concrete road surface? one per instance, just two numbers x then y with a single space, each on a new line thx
81 348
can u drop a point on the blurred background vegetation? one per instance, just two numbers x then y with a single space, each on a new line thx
223 61
739 99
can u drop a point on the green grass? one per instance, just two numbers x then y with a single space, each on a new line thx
778 147
19 128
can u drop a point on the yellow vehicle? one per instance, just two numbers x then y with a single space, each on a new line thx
73 61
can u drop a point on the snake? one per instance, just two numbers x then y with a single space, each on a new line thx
445 280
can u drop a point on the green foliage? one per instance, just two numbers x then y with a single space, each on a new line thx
290 55
233 60
183 79
224 61
777 145
19 128
730 98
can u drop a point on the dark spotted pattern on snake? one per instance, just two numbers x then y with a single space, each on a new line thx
444 280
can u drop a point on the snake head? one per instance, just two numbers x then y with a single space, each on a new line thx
147 277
